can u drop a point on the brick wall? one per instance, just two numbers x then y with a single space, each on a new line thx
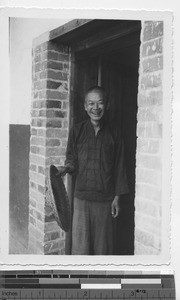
148 202
49 131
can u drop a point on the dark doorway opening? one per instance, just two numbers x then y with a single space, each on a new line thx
114 66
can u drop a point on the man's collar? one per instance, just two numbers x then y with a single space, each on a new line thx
101 123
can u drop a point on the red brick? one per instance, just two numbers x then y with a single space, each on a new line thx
65 123
53 142
37 67
36 177
66 67
32 202
152 98
35 76
32 220
41 189
153 64
52 226
54 151
40 225
152 47
42 94
34 113
146 238
34 149
50 45
56 95
63 57
40 66
37 141
149 192
53 84
65 105
42 113
55 65
151 113
32 211
53 246
39 216
58 133
37 49
57 75
50 236
41 170
36 122
36 196
36 104
50 113
149 130
43 74
148 146
55 123
40 247
56 114
33 185
40 85
62 251
36 95
53 104
41 132
37 58
36 159
39 235
151 81
48 247
148 223
152 30
50 55
148 161
53 161
64 143
152 177
33 167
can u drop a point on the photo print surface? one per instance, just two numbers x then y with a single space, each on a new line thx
59 61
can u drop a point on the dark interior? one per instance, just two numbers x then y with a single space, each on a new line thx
118 63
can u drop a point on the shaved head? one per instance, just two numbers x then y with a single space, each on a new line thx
97 90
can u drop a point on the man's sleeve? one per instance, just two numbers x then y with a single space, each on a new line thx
121 182
71 161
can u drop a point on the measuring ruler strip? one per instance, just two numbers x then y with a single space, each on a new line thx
87 294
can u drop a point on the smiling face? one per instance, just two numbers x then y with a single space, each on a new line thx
95 105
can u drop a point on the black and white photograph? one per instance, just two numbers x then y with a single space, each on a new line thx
90 137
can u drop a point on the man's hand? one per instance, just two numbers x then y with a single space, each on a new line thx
115 207
62 170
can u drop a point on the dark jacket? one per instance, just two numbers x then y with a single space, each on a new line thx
98 162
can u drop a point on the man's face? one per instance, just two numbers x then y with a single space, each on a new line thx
95 105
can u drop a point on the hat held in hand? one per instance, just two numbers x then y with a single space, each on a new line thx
59 199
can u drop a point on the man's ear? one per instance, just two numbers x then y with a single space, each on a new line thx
85 105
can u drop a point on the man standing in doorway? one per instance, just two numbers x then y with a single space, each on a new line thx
95 154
